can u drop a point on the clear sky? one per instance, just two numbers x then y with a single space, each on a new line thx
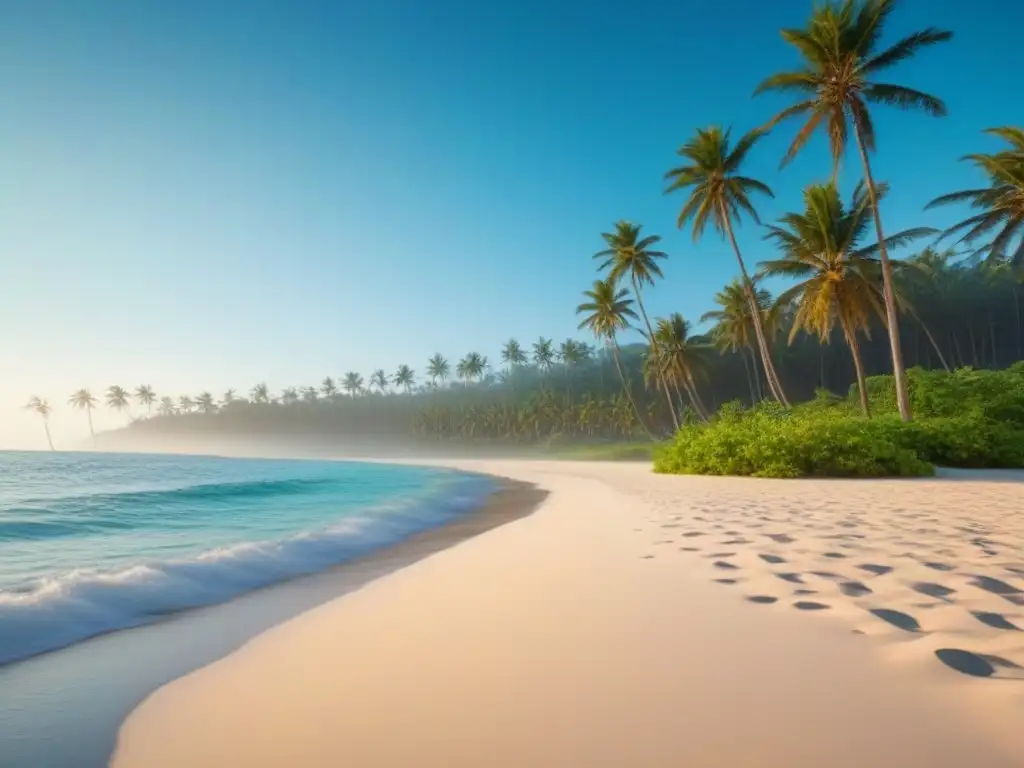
203 194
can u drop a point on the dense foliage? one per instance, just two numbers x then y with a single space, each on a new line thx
968 418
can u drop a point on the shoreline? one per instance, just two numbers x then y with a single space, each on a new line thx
57 690
578 626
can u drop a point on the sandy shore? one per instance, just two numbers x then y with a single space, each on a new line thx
639 620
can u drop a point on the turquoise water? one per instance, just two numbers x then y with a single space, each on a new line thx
90 543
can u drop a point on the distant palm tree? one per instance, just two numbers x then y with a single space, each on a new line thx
205 403
43 408
544 354
352 383
310 394
84 401
186 404
260 394
718 194
405 377
1001 203
145 396
681 358
118 399
571 353
438 369
228 398
841 278
628 255
167 406
328 387
289 396
606 312
734 326
379 379
839 47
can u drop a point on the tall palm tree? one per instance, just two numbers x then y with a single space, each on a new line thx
289 396
628 255
379 379
205 403
118 399
44 409
544 354
405 377
513 356
186 404
471 367
680 358
260 394
228 398
719 194
1001 203
145 396
352 383
839 277
167 406
606 312
572 354
328 387
839 48
310 394
438 369
734 326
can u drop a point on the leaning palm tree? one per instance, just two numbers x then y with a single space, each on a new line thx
438 369
719 194
352 383
1001 203
606 312
145 396
630 256
84 401
840 278
405 377
379 379
733 328
118 399
839 48
44 409
680 358
328 387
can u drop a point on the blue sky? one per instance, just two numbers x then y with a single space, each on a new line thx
208 194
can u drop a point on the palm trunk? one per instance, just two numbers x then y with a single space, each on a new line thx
1016 312
92 432
757 376
627 388
49 440
657 354
774 385
888 291
935 344
858 367
750 378
698 404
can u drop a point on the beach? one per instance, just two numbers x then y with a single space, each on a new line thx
636 619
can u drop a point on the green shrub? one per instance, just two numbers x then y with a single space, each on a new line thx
968 418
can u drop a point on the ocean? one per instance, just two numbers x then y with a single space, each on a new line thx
92 542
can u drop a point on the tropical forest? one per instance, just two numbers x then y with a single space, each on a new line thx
883 352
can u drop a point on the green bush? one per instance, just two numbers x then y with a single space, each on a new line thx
965 419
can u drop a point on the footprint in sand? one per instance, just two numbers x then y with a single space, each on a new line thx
716 555
692 534
647 557
808 605
835 555
762 599
946 567
803 592
932 590
792 578
854 589
898 619
1001 588
725 581
689 549
877 570
773 559
995 620
781 538
724 566
733 542
979 664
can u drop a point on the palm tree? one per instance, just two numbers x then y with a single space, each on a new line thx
186 404
379 379
44 409
471 367
228 398
144 395
118 399
260 394
1001 203
167 406
630 255
328 387
719 194
205 403
680 358
438 369
544 354
840 279
840 55
734 326
352 383
405 377
289 396
571 353
310 394
606 312
513 356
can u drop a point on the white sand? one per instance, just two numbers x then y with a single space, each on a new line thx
588 635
